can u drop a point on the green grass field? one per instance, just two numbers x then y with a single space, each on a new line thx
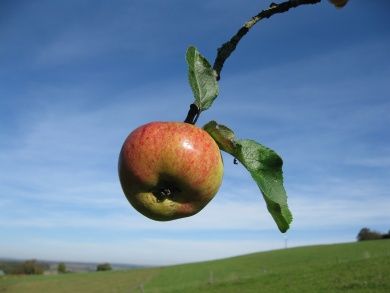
352 267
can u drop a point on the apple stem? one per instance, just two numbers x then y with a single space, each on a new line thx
227 48
193 114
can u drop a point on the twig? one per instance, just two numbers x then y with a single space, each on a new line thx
193 114
227 48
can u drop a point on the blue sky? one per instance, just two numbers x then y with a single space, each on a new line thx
77 76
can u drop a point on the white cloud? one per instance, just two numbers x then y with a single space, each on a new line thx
314 207
220 216
138 251
152 251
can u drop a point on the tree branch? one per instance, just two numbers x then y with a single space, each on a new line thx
227 48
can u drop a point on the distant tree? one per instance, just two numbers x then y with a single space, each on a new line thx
61 268
386 236
9 267
31 267
367 234
104 267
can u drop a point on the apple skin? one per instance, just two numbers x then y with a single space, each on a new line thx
339 3
169 170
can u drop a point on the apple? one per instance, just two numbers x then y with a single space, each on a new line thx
169 170
339 3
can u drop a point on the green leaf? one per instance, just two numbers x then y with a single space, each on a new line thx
263 164
223 135
202 79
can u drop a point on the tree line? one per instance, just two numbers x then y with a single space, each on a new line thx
368 234
28 267
34 267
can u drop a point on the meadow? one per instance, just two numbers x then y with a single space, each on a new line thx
350 267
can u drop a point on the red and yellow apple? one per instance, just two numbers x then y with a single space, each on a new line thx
169 170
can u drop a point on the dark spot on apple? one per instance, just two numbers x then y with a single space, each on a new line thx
165 192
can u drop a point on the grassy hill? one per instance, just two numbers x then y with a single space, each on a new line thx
353 267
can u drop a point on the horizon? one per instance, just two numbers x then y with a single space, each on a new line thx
174 264
77 78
